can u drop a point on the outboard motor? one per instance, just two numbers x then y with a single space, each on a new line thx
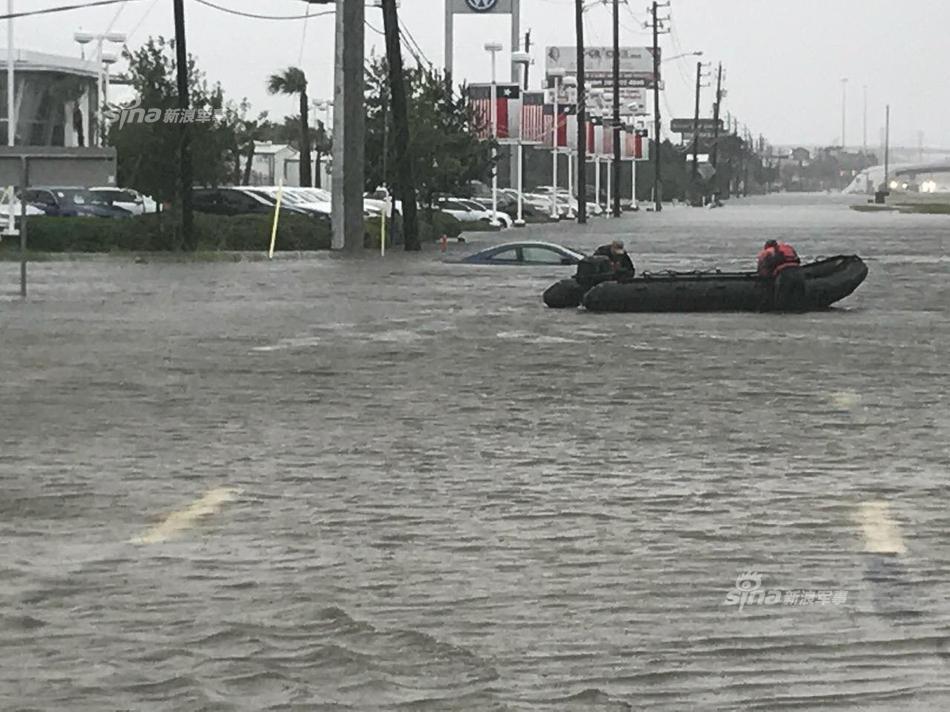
593 270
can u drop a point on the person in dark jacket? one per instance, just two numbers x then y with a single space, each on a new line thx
620 261
779 261
775 257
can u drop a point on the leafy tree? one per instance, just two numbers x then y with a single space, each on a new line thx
148 150
249 131
293 81
445 152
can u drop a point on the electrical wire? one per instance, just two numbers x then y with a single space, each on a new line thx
405 29
260 17
141 20
61 8
303 36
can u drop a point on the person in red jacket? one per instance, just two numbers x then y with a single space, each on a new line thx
779 261
775 257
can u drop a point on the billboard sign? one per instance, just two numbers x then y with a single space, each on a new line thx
636 65
481 7
685 126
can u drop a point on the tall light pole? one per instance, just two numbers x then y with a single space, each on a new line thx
108 60
844 104
493 48
570 83
864 140
11 101
556 73
522 59
84 38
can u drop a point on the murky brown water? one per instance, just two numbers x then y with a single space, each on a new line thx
331 484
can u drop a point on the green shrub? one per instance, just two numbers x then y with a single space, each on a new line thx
156 233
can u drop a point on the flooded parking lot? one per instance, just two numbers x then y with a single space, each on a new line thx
334 483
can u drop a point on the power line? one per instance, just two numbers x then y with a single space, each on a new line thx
259 17
405 29
142 20
61 8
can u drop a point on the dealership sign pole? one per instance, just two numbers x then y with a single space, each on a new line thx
480 7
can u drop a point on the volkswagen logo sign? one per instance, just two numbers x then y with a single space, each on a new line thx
482 5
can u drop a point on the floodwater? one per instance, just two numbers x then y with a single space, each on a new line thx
331 484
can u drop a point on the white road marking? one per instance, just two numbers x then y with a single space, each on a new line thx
845 400
176 522
881 533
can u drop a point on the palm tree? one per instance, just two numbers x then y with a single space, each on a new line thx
293 81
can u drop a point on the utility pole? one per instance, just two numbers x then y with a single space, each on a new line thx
657 180
844 104
581 117
714 153
527 48
615 121
405 187
699 85
864 142
185 216
887 149
349 127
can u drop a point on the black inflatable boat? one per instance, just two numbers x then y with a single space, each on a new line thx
825 282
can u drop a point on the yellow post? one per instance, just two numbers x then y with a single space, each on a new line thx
273 232
382 232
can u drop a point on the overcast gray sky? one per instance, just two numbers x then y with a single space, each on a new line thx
784 59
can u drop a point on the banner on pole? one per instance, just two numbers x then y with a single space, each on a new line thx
506 100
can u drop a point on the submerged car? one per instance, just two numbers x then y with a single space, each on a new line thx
525 253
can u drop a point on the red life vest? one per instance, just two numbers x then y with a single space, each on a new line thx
789 258
779 258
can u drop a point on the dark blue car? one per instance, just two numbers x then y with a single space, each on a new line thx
525 254
72 202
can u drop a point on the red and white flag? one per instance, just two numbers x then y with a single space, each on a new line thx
564 110
532 117
506 99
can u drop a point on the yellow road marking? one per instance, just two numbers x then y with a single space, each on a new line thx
176 522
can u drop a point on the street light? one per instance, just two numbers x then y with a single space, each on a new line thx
570 82
108 59
493 48
556 73
685 54
84 38
522 59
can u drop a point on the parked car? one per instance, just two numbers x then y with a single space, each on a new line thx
465 210
127 199
291 198
18 209
564 195
525 254
72 202
238 201
542 203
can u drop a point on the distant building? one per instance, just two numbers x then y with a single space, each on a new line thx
273 163
801 155
56 99
280 161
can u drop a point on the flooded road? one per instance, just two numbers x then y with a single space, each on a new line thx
330 484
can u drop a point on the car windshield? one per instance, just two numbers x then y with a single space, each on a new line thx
75 196
116 196
260 195
291 196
